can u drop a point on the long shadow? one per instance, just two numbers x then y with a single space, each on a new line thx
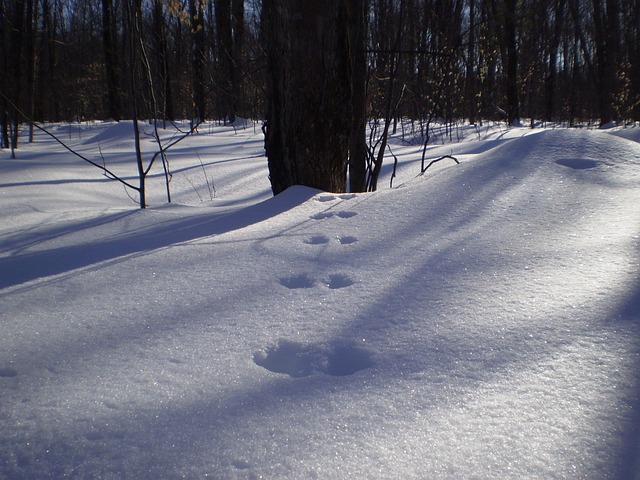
209 421
65 181
25 267
629 313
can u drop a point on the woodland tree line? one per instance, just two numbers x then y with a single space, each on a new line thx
569 61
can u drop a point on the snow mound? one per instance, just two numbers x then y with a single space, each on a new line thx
117 132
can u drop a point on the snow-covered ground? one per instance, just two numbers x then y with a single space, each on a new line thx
480 321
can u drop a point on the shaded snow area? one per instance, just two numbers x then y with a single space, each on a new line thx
479 321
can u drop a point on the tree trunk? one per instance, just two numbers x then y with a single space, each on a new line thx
226 63
358 135
196 14
308 118
108 41
4 120
162 72
15 70
607 29
511 61
471 82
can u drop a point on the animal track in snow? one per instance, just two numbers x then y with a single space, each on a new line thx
341 214
93 436
301 360
331 198
322 215
8 372
333 281
317 240
297 281
347 239
577 163
337 280
326 198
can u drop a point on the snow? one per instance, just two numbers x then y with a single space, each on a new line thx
479 321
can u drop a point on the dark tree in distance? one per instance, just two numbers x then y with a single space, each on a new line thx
196 16
606 32
161 64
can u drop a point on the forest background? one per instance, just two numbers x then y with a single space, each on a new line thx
566 61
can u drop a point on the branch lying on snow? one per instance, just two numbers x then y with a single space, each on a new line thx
438 159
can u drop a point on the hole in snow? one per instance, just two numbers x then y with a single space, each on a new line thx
322 215
317 240
241 464
346 214
300 360
93 436
297 281
326 198
338 280
347 239
577 163
8 372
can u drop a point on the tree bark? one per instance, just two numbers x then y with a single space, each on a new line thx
358 135
108 41
511 61
308 118
196 14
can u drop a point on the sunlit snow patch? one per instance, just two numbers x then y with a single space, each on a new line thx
300 360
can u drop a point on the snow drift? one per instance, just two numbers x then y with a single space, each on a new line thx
480 321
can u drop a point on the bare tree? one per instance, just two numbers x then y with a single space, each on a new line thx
309 88
196 16
108 42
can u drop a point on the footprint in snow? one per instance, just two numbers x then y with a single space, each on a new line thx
325 198
333 281
301 360
347 240
341 214
338 280
346 214
577 163
331 198
8 372
297 281
317 240
322 215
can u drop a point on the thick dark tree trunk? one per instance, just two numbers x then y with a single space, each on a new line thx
108 41
471 80
358 136
309 114
4 120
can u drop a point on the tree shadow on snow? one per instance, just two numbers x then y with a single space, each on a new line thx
20 267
